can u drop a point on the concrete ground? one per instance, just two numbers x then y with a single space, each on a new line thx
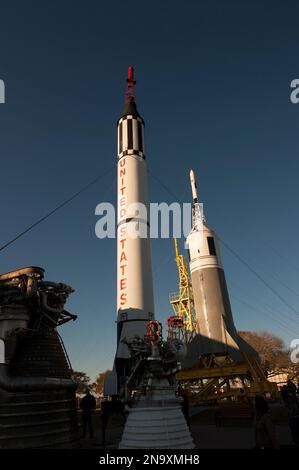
233 437
205 434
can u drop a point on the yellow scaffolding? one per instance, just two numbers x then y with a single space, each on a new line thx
229 380
182 302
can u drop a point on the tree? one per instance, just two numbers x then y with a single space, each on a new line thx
271 349
99 383
82 379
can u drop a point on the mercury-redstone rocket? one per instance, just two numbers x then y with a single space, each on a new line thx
215 325
135 300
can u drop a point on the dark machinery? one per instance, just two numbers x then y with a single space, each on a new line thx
37 393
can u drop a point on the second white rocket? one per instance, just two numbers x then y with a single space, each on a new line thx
216 330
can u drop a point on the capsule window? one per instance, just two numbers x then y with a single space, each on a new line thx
211 244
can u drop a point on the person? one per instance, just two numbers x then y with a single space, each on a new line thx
289 396
185 404
105 413
265 436
87 405
108 407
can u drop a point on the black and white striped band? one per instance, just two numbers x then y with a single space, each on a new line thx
133 219
131 152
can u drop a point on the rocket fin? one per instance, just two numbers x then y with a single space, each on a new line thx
230 341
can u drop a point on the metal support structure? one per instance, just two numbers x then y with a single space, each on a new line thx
182 302
217 378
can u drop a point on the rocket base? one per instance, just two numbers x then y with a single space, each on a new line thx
157 421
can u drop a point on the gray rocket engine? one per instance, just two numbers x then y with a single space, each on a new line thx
37 392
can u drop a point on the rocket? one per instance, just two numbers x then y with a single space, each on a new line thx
216 331
135 299
193 187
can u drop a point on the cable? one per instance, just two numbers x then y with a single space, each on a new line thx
283 325
259 277
162 263
238 257
267 306
39 221
163 185
285 258
277 279
175 196
274 311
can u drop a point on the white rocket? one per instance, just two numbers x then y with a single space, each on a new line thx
135 300
215 326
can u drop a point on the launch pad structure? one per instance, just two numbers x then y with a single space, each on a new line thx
220 364
217 378
182 302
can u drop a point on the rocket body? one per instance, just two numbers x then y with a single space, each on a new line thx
215 326
214 318
135 300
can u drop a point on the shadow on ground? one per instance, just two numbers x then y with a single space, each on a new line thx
232 435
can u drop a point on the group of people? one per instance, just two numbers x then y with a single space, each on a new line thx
289 394
265 436
88 405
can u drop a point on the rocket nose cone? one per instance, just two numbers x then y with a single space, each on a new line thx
193 186
192 175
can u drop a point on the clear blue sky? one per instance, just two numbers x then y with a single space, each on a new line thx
213 88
